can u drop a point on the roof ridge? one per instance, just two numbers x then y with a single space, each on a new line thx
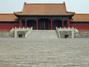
6 13
44 3
81 13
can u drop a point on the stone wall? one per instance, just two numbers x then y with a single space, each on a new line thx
4 34
82 34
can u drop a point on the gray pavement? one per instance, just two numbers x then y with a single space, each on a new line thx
38 53
46 52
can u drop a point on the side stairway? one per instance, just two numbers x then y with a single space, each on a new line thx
43 34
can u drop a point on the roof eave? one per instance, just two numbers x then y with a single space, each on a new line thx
7 20
17 14
79 21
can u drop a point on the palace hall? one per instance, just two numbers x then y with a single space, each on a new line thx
44 16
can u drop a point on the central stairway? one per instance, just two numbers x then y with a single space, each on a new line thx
43 34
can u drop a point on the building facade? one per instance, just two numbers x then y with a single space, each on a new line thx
44 17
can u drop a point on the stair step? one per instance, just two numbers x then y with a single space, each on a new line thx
43 34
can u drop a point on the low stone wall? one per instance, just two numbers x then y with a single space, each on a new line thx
82 34
66 32
79 34
61 32
20 32
4 34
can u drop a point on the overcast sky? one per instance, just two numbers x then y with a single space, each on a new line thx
78 6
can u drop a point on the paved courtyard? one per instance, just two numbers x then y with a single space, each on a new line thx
44 53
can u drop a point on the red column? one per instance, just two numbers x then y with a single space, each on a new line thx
71 25
37 23
68 22
51 24
25 23
62 22
20 24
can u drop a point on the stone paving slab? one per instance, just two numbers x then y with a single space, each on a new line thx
17 52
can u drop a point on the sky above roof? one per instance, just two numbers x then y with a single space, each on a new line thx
78 6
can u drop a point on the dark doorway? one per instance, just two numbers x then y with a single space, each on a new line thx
44 24
57 23
65 24
31 23
66 36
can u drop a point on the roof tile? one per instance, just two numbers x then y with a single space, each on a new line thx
7 17
81 17
44 9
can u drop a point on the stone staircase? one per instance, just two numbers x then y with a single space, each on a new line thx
43 34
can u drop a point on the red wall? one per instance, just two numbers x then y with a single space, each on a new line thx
8 26
81 26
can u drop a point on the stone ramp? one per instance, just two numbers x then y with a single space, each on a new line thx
43 34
